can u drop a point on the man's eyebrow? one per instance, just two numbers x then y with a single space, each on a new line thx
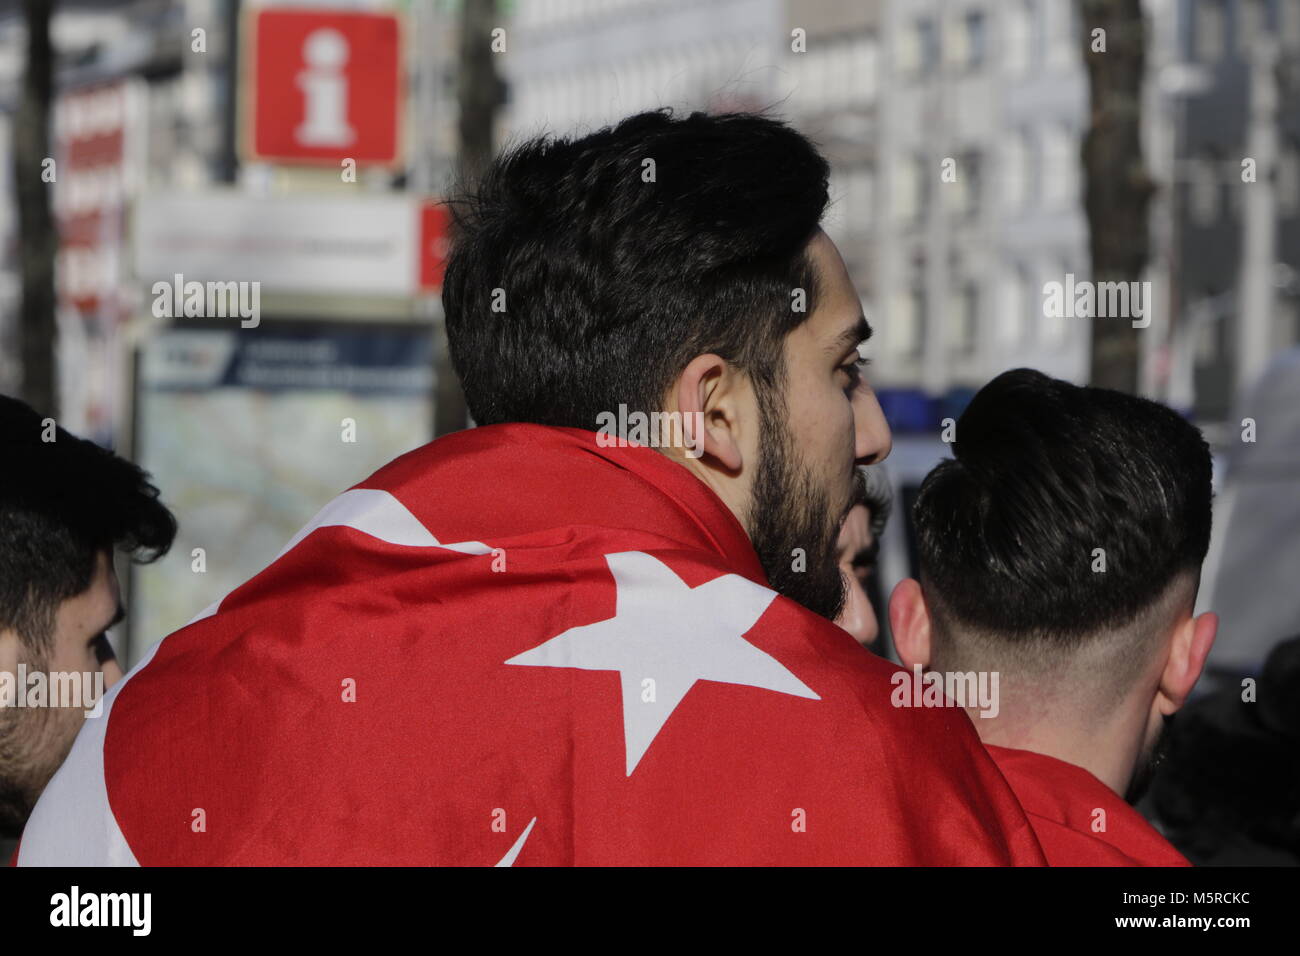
856 334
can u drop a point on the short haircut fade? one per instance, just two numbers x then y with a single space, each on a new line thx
1044 474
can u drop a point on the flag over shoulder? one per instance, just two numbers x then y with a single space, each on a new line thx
513 646
1079 820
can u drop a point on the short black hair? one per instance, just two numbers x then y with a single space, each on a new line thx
614 279
1044 473
61 503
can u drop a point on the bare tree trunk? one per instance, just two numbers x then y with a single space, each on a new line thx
479 92
38 241
1117 187
478 89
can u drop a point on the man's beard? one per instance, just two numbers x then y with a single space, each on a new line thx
1148 763
33 743
790 512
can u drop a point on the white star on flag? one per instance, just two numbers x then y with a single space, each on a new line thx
673 635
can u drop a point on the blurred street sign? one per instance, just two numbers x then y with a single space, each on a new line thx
243 429
95 130
325 85
371 245
98 132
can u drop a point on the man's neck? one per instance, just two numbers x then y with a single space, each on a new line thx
1031 718
731 490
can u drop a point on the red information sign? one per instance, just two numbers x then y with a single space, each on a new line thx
433 232
326 86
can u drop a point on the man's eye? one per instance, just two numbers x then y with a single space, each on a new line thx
854 371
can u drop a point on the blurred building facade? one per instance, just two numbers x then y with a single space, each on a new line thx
1241 105
983 116
950 270
954 128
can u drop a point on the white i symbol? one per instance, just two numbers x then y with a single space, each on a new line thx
325 90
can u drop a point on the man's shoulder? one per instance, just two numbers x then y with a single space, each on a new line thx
861 682
1079 820
1066 845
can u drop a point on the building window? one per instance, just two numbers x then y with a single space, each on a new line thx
963 318
1061 34
1016 306
906 327
1203 191
1211 20
1060 168
1016 38
834 222
1286 331
1252 24
921 47
911 198
1288 179
859 191
1015 170
974 29
1055 332
852 196
904 191
1289 25
966 190
835 74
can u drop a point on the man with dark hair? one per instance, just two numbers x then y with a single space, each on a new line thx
1060 550
574 634
65 504
662 264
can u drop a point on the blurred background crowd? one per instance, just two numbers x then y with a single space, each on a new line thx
980 150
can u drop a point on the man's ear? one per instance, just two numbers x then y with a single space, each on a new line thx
707 395
909 619
1188 649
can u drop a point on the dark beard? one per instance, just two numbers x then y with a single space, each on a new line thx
1145 771
33 743
790 512
28 758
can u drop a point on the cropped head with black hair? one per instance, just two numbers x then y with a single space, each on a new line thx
1048 481
1061 547
586 272
65 505
676 264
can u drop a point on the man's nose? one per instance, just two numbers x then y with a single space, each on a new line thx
872 438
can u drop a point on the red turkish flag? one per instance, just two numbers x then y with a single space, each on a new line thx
1063 800
514 646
